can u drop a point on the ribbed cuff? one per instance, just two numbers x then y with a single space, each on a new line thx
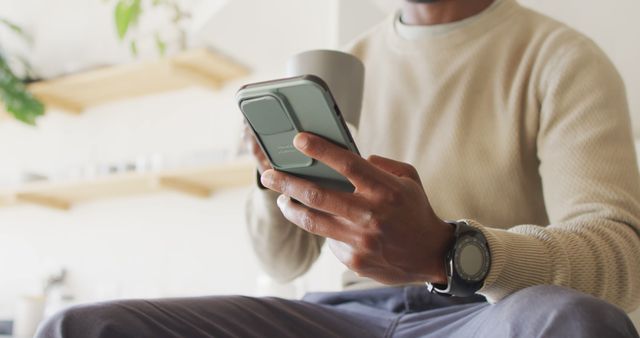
517 262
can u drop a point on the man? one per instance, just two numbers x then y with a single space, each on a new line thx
495 116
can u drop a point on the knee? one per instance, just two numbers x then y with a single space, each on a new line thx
557 311
92 320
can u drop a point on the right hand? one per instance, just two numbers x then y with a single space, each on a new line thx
251 143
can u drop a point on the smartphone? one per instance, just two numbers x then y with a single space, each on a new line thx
278 110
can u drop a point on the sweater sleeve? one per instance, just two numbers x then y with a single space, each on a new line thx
591 188
284 250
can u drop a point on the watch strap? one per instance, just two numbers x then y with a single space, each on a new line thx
456 285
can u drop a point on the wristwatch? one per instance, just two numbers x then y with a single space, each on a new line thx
467 263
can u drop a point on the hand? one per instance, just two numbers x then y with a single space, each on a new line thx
251 143
385 230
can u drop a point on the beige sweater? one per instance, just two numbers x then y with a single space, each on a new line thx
519 125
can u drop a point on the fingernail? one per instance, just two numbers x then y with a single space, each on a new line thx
267 178
301 141
282 199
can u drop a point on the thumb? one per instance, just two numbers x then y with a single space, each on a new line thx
394 167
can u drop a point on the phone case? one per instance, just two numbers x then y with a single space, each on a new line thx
278 110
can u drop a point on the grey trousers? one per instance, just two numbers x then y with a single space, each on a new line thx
541 311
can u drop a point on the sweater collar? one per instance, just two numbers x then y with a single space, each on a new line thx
441 38
414 33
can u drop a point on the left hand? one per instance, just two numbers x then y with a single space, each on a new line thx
385 230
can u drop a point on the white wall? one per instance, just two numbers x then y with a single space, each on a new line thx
355 17
131 247
264 34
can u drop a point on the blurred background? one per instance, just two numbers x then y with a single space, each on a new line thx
123 176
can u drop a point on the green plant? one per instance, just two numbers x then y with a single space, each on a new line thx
13 93
127 14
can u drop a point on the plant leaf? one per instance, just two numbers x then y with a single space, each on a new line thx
133 47
17 100
160 45
16 29
122 21
126 15
12 26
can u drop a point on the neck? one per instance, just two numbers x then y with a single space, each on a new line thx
441 11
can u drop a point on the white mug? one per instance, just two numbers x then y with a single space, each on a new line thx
343 73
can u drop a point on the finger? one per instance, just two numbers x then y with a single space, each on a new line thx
313 221
400 169
260 160
252 145
258 154
312 195
247 132
356 169
250 139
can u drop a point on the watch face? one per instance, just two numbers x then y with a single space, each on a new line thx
471 259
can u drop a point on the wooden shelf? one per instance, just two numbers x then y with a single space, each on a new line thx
199 182
197 67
